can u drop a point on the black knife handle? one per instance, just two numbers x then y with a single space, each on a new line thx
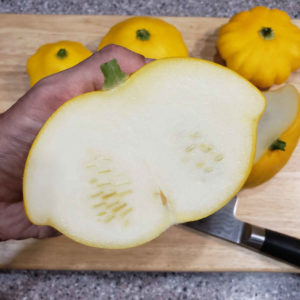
282 246
274 244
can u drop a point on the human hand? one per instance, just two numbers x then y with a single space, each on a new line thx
20 124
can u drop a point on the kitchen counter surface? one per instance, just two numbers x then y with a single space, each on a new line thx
203 8
52 285
134 285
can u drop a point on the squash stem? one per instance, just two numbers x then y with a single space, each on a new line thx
278 145
113 75
61 53
267 33
143 34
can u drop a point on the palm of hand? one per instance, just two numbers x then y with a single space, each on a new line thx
21 123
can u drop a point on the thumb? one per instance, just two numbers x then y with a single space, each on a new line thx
87 76
36 106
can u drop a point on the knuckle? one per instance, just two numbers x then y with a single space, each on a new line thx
113 48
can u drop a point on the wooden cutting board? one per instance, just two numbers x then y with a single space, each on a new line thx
275 205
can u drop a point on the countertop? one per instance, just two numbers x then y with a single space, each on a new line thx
135 285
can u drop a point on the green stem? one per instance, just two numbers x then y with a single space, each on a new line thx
113 75
278 145
143 34
267 33
62 53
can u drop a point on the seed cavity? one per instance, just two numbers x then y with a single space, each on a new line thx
219 157
190 148
102 213
205 148
96 195
195 135
99 204
208 169
103 184
123 183
108 195
89 166
107 220
122 194
93 180
104 171
126 212
119 207
109 186
200 164
112 205
198 153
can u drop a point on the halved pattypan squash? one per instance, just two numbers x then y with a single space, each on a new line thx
114 169
278 133
262 44
55 57
151 37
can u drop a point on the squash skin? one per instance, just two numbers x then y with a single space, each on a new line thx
263 61
47 61
164 39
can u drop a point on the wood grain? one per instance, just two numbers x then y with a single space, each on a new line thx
275 205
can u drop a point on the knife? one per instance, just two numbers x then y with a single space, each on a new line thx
223 224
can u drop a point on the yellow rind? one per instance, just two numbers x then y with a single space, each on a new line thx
156 233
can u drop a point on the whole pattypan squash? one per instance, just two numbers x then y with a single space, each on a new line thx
55 57
151 37
262 45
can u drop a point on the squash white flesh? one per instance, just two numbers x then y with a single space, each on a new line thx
172 144
281 111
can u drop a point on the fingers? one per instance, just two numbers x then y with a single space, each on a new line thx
15 225
21 123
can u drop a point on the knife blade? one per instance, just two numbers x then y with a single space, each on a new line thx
223 224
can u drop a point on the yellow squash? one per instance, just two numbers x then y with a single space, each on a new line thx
151 37
125 164
55 57
262 45
281 149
